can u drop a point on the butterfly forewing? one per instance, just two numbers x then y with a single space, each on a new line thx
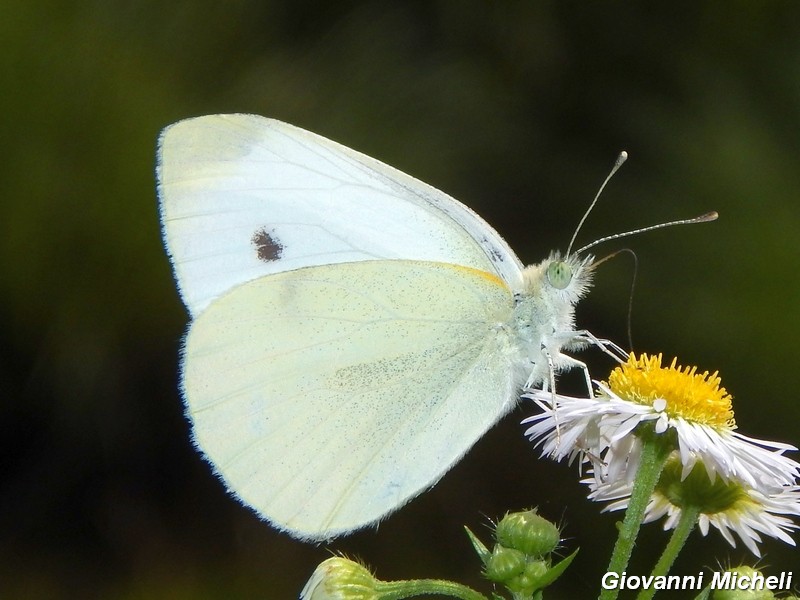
243 196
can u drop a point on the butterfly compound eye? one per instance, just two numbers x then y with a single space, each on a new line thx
559 274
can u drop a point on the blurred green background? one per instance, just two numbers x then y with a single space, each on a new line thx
516 108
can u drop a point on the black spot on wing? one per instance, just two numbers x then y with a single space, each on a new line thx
267 245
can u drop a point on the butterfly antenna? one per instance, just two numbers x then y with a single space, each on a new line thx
710 216
623 156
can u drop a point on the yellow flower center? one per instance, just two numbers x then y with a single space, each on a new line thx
697 398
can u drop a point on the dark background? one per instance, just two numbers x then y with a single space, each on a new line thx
516 108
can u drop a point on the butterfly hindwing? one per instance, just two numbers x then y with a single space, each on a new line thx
327 397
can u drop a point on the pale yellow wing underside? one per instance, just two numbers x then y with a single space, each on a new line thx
329 396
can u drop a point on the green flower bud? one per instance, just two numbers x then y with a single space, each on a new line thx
339 578
504 564
528 532
536 569
732 591
530 579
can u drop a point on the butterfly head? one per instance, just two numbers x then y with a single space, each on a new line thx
564 277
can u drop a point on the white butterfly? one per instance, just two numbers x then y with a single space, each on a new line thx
354 331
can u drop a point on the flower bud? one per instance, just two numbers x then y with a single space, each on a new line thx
530 579
527 532
733 591
339 578
504 564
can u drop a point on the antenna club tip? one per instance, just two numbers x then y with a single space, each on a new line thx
621 158
709 216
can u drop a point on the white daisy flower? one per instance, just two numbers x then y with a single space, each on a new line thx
676 401
732 507
738 485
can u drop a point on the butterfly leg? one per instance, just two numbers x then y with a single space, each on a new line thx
568 362
549 384
611 348
574 363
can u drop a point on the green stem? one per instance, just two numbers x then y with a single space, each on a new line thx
655 450
396 590
680 534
